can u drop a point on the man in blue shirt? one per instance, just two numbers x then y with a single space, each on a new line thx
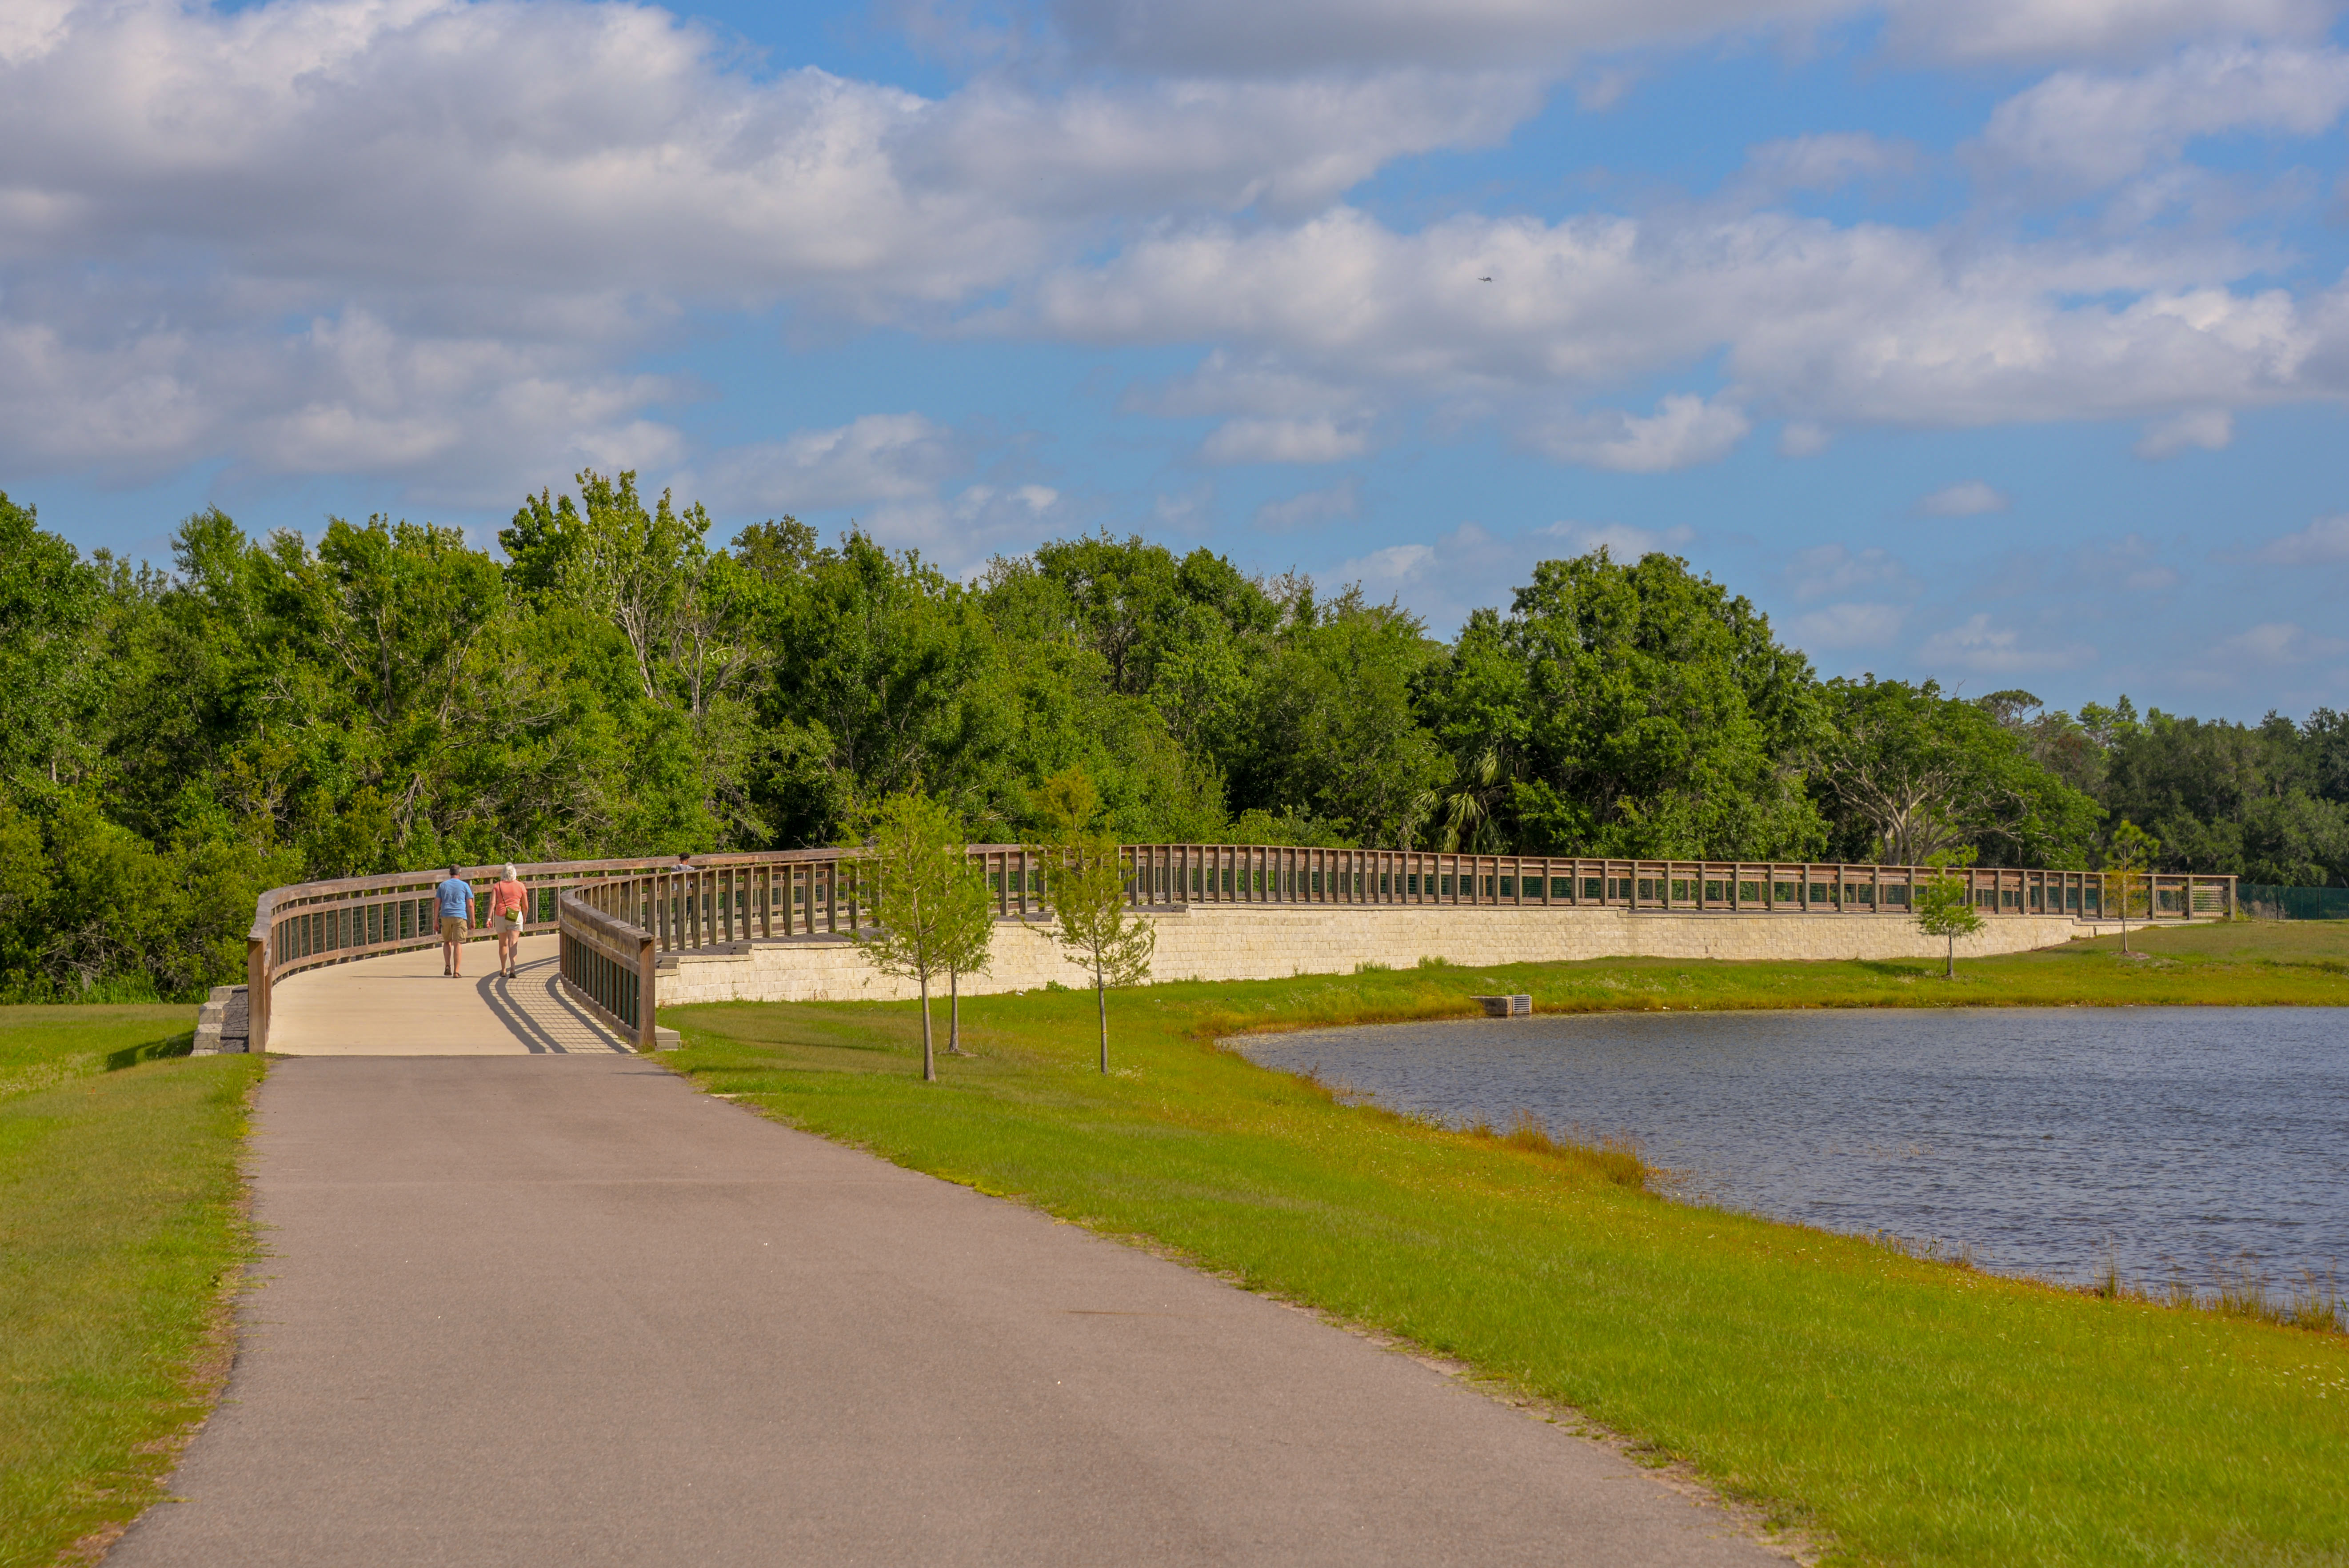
456 897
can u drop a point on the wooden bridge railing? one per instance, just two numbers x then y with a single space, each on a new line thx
673 906
608 963
1161 874
309 924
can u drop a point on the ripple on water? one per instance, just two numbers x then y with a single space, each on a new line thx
2174 1140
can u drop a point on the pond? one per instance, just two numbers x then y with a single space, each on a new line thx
2176 1141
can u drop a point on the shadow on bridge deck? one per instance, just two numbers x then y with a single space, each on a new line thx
400 1004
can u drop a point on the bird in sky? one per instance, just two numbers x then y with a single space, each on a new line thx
1483 280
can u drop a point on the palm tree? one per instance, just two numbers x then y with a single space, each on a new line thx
1464 808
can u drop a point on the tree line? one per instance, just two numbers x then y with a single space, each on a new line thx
385 696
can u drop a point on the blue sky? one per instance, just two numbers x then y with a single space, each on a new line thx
2005 343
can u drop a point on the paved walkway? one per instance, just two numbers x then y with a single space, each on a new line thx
560 1308
403 1005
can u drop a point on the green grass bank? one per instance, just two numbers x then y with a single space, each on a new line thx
118 1226
1902 1410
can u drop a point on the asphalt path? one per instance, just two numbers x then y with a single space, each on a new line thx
563 1309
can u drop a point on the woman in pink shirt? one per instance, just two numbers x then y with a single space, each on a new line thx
508 899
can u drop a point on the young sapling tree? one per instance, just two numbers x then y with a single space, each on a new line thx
1085 882
1945 905
917 878
2126 859
966 944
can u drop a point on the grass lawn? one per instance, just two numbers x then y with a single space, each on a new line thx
2241 942
118 1223
1903 1410
40 1047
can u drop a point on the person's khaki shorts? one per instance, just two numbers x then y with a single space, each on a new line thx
451 929
506 924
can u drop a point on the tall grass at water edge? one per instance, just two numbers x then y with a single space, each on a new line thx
2240 1288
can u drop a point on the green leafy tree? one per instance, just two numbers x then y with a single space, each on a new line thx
1085 880
1463 813
1334 737
1908 772
2056 740
1945 905
2325 736
897 677
2257 801
2128 855
54 615
380 695
1636 709
1143 610
917 880
684 610
965 941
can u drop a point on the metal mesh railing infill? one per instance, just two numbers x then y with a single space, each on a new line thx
2262 902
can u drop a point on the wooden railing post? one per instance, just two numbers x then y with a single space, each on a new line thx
647 985
257 993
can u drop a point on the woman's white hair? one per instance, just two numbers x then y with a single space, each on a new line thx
512 875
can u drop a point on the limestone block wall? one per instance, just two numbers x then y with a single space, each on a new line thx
1270 942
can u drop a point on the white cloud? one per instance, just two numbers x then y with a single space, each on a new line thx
1284 441
977 500
442 139
1191 511
1396 567
1469 567
2131 562
1238 37
1970 498
1312 509
426 238
548 187
1801 438
895 473
1826 162
1839 626
455 418
2019 30
1827 325
1830 569
1684 431
1977 645
1621 541
2096 129
1235 37
963 529
877 458
1290 147
2276 643
2205 429
31 28
2321 543
1224 384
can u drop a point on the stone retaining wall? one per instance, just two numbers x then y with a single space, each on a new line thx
1241 942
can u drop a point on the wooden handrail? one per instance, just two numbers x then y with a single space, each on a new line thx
607 963
722 900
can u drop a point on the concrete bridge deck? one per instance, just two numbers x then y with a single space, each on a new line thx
531 1299
402 1004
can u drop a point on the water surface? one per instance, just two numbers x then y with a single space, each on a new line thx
2177 1139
